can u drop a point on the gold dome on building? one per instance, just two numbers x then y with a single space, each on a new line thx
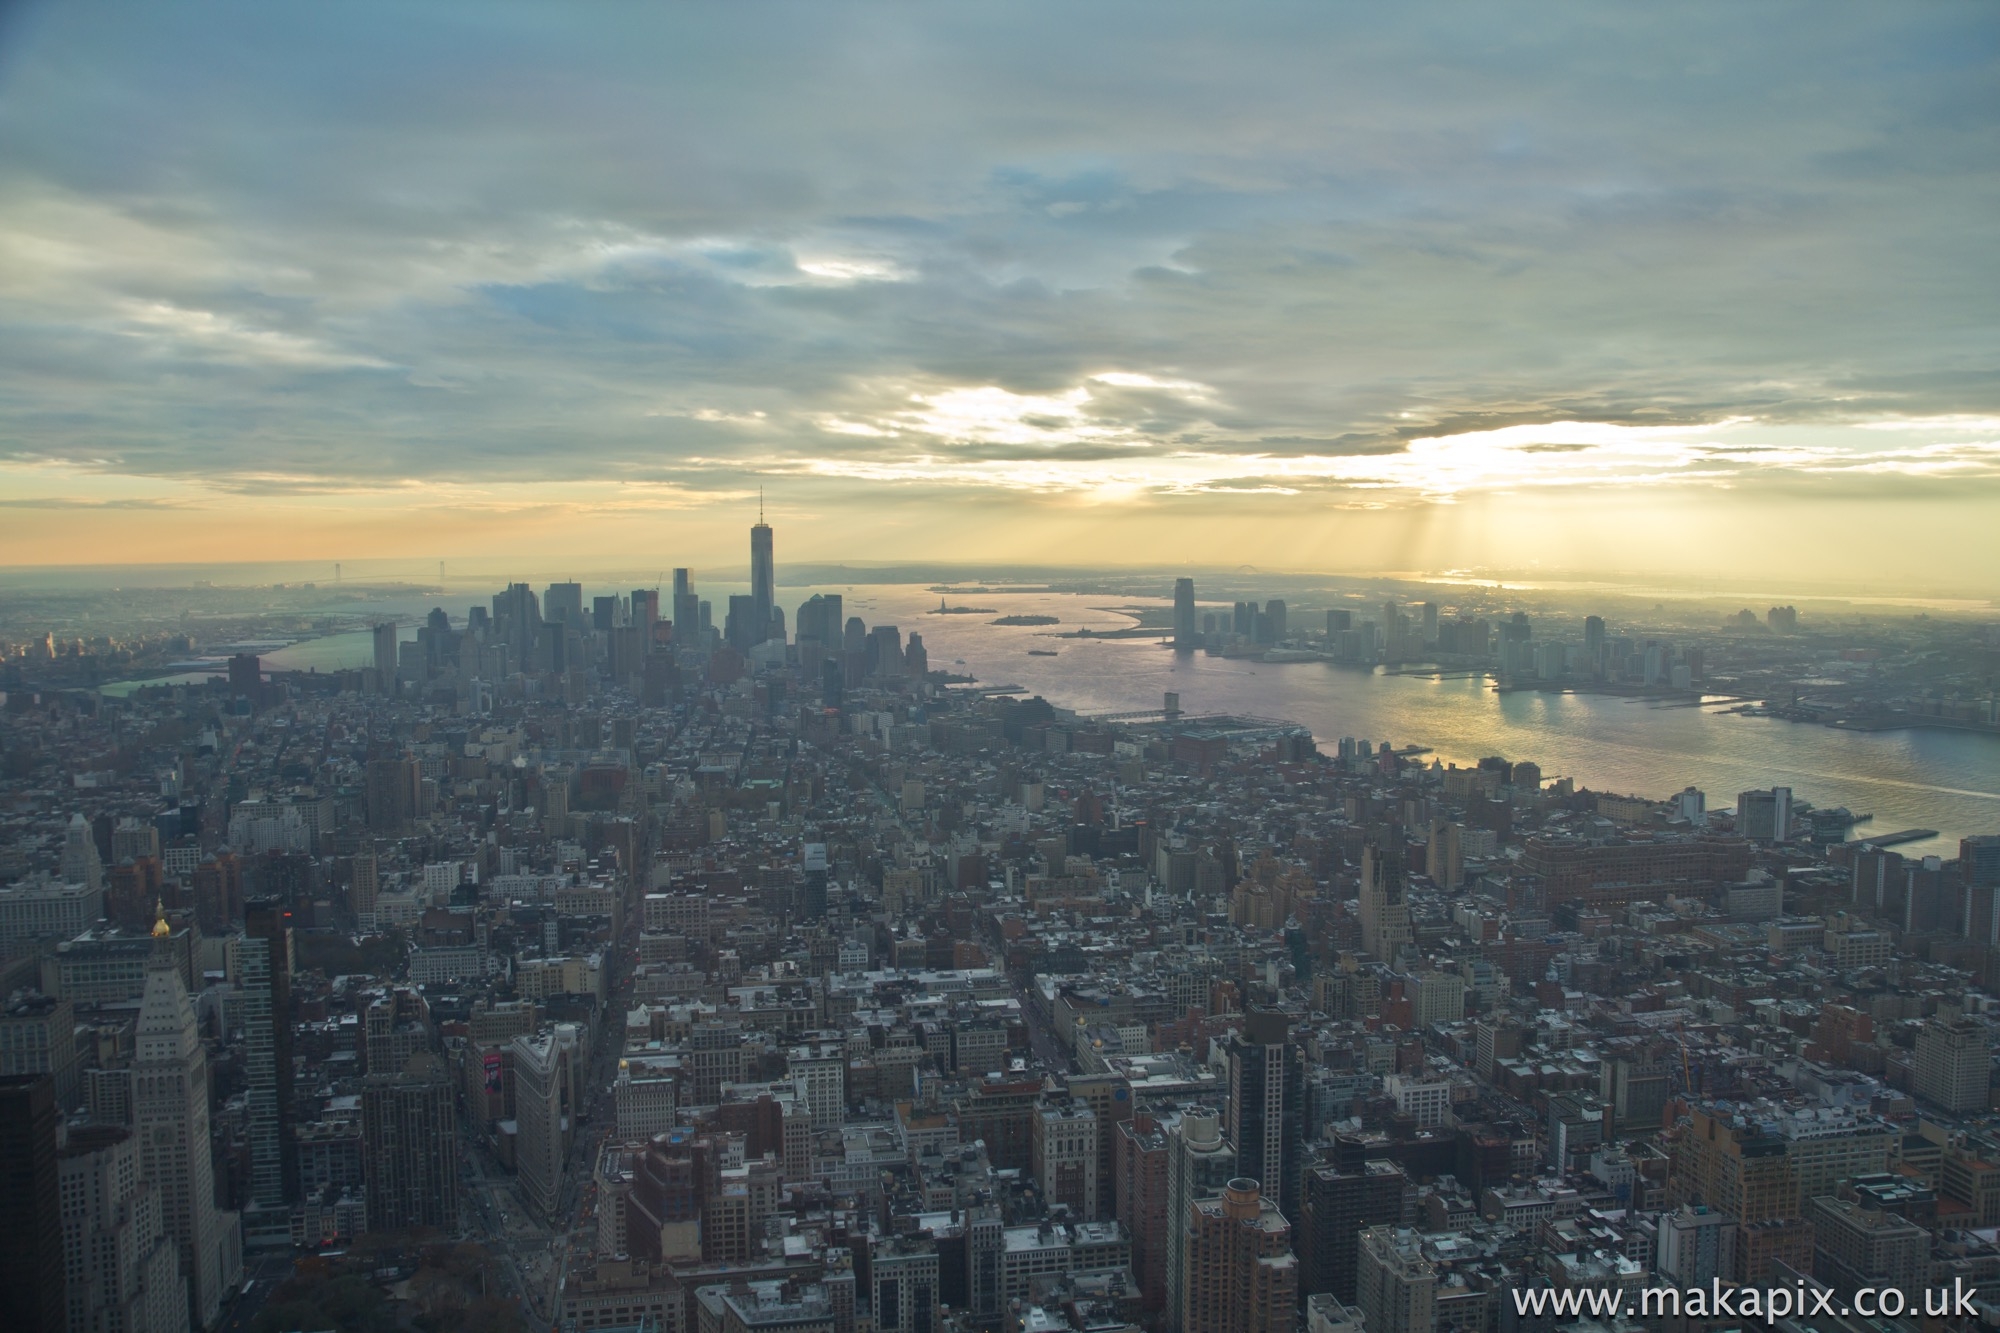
160 927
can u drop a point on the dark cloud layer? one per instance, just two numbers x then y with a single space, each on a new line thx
297 249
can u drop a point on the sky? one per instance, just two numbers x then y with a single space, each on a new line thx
1700 288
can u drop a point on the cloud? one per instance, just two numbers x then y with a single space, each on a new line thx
1378 255
991 439
1944 424
70 502
206 335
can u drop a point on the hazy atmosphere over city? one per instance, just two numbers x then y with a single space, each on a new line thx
1311 286
999 668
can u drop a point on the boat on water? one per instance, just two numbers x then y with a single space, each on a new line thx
1041 652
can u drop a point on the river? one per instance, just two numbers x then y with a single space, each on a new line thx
1916 778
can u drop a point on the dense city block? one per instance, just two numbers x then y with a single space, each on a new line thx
593 963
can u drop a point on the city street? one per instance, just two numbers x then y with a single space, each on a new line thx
1041 1038
536 1259
261 1278
497 1219
572 1240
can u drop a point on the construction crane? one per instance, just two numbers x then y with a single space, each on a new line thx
1680 1036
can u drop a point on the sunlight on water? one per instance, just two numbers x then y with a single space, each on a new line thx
1946 780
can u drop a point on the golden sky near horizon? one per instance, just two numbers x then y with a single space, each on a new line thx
1696 290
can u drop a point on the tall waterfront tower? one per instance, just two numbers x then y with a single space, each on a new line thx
1187 630
763 574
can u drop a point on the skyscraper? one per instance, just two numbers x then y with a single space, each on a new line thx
436 641
1199 1164
812 890
170 1108
1267 1106
686 609
409 1132
1139 1194
31 1252
246 676
1187 632
122 1271
1765 816
854 649
364 884
740 628
517 615
542 1112
394 1027
1444 858
384 636
38 1036
819 620
645 611
390 793
1241 1274
1751 1170
265 955
885 651
1979 860
80 862
763 577
562 605
1065 1157
1385 908
1274 613
1954 1064
1339 1206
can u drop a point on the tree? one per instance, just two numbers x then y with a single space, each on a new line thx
344 1304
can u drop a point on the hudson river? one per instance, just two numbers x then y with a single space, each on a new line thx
1945 780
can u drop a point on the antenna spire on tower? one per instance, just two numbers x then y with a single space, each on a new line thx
760 504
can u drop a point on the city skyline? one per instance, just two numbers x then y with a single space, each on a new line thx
1347 292
577 964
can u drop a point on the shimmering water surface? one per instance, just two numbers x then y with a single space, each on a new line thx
1945 780
1949 781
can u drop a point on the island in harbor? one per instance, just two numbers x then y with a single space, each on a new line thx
1027 620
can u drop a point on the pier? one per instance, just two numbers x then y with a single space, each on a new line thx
1892 839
